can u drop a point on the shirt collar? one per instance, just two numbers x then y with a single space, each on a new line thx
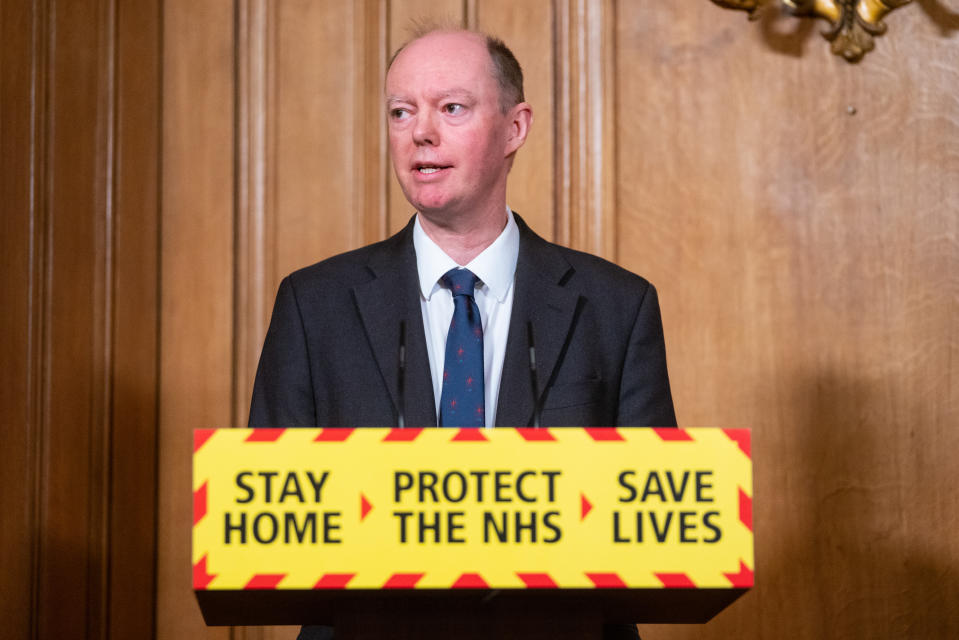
495 266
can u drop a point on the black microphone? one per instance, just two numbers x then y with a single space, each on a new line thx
534 381
401 379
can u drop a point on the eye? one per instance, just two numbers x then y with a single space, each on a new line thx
398 113
453 108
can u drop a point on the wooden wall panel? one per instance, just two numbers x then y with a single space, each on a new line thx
135 318
800 217
79 319
70 517
21 216
197 262
372 168
255 176
315 120
585 126
528 28
311 150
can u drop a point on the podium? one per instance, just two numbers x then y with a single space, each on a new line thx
470 533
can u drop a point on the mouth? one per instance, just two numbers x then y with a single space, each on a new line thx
429 169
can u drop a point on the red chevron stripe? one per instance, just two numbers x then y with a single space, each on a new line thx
265 581
468 434
201 578
333 435
676 580
535 435
403 580
742 580
537 581
745 509
200 503
741 437
265 435
402 435
669 434
334 581
606 580
470 581
604 434
200 436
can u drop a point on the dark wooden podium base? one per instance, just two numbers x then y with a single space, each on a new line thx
464 614
454 625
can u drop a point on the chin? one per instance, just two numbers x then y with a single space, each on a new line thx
432 205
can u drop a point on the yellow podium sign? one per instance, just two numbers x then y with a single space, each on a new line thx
575 508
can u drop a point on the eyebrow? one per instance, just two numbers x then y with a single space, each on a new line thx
456 91
445 93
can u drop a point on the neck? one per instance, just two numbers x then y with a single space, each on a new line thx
463 240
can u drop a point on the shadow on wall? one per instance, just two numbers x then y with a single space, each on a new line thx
785 34
945 18
839 551
859 566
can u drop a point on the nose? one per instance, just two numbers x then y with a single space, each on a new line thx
424 130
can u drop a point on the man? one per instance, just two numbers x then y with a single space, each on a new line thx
457 117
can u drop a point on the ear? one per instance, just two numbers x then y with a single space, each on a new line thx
520 119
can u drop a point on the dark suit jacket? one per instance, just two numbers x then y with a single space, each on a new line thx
331 355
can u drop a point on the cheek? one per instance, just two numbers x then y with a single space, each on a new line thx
398 137
395 144
399 157
481 149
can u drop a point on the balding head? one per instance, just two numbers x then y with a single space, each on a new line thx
504 68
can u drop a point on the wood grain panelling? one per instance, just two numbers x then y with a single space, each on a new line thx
584 162
372 167
79 319
197 265
800 217
22 55
70 558
135 309
529 29
254 284
315 119
311 149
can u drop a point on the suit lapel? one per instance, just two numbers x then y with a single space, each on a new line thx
389 298
540 299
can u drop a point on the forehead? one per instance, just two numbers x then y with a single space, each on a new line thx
440 62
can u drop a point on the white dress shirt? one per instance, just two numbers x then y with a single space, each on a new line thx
495 268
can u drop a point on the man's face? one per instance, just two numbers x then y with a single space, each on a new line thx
449 141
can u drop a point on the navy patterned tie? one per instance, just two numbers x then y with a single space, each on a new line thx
463 400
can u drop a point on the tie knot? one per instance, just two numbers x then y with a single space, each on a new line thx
460 281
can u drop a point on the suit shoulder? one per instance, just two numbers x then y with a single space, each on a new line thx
591 272
577 269
348 269
335 269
